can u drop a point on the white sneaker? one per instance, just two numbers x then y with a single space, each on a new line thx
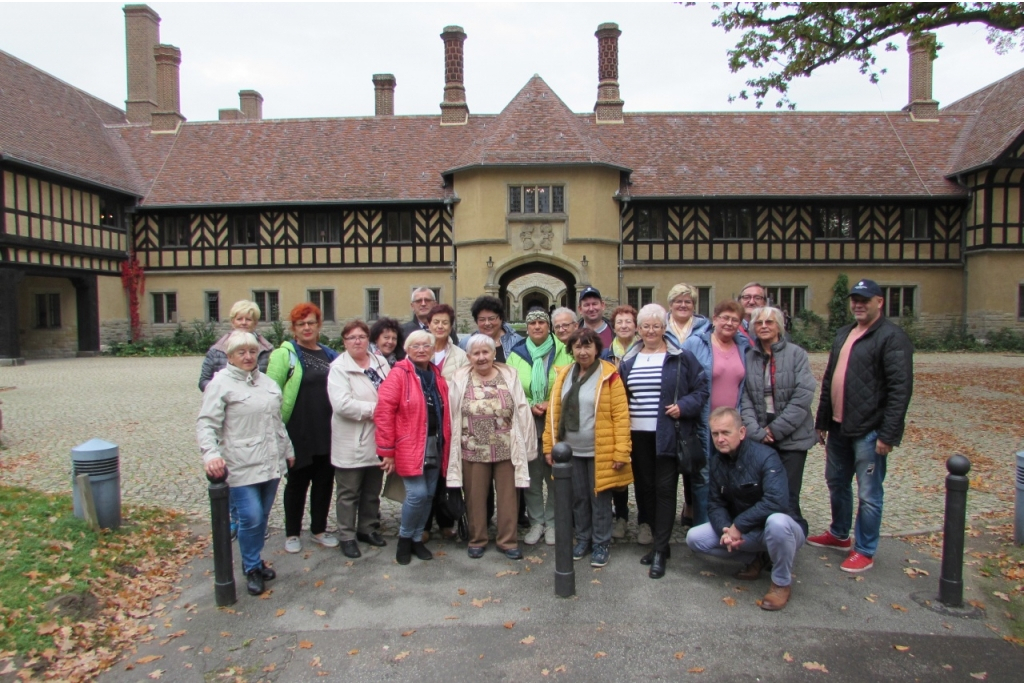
549 536
535 533
325 540
293 545
619 529
644 536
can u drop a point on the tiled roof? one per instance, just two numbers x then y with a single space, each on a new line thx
48 123
784 154
307 160
536 127
998 120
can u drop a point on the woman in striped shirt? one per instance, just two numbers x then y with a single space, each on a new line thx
667 389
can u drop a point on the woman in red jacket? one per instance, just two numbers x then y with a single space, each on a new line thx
413 437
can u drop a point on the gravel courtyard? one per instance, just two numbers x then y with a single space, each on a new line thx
969 403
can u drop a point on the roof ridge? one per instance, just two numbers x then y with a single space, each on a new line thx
83 93
991 88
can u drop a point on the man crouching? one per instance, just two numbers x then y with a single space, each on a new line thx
748 508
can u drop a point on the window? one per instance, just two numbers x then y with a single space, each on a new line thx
245 229
732 223
704 301
536 200
48 310
372 304
213 307
916 225
1020 301
788 298
321 227
174 231
638 297
110 212
324 299
268 304
399 227
834 222
165 308
899 301
650 223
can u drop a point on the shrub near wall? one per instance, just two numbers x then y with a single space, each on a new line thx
195 340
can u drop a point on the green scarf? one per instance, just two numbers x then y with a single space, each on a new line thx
569 419
539 378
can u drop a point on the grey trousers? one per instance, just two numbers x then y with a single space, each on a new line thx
539 510
592 513
358 495
781 537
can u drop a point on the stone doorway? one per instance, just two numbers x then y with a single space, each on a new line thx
536 284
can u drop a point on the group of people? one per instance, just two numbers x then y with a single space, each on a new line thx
443 417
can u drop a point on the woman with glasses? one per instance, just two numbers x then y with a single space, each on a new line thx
777 397
300 367
352 385
720 349
489 315
665 386
385 336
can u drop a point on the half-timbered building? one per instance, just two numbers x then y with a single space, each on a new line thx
353 213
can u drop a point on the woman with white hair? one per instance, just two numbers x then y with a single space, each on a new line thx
414 435
667 389
778 391
241 435
493 440
244 316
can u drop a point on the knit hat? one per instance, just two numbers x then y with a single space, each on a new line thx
538 315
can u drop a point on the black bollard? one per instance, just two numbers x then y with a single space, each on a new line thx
951 583
223 562
565 572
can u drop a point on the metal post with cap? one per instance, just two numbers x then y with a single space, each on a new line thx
951 581
565 573
223 558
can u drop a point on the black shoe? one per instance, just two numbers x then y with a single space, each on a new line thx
350 549
421 551
267 572
403 555
254 582
657 565
647 558
580 549
373 538
475 552
524 521
513 553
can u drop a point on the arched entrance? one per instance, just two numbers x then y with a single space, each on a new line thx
536 296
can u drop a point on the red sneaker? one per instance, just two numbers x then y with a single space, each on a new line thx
827 539
857 562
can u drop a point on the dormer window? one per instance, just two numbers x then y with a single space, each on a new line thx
536 200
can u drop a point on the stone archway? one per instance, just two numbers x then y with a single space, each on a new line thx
565 272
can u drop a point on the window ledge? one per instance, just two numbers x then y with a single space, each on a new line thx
527 218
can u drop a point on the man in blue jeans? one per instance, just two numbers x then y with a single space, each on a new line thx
864 398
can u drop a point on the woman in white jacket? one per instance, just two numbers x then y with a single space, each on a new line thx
352 385
240 433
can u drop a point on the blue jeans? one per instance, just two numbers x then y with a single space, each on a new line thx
781 537
699 484
419 495
253 503
847 457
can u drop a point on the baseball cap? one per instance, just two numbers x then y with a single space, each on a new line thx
590 291
866 288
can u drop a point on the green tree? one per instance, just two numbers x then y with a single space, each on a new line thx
795 38
839 305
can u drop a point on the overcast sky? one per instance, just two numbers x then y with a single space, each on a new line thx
314 60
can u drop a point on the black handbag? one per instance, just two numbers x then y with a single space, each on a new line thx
689 451
452 503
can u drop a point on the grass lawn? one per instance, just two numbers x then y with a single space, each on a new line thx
72 599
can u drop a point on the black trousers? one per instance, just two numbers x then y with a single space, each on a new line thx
318 479
656 480
620 504
436 511
793 461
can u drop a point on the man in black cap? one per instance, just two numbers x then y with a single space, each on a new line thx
592 315
864 397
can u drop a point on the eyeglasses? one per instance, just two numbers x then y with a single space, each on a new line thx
768 322
728 319
488 319
420 346
356 338
752 298
652 327
564 326
423 300
303 324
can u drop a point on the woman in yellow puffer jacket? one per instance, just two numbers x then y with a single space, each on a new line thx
589 411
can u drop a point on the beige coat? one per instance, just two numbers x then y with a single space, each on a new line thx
353 397
240 422
524 430
454 359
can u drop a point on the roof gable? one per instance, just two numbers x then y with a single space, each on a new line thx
997 121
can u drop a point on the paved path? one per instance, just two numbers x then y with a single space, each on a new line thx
969 403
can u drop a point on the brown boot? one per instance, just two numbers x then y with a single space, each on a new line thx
751 571
776 599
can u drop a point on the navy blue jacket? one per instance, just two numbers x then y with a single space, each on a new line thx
746 489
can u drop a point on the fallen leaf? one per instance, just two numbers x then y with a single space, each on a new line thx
947 626
456 604
560 669
429 650
901 648
225 633
509 624
528 640
1002 595
947 667
48 628
155 675
709 574
318 583
535 560
280 612
980 676
270 668
679 655
696 669
975 603
787 657
461 591
815 666
544 671
353 652
451 618
318 612
266 594
600 655
408 633
502 574
401 655
870 599
729 601
305 644
315 663
595 581
323 673
897 607
479 603
150 659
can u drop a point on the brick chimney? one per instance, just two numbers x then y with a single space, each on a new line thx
167 115
142 34
454 110
608 108
251 104
922 50
384 95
